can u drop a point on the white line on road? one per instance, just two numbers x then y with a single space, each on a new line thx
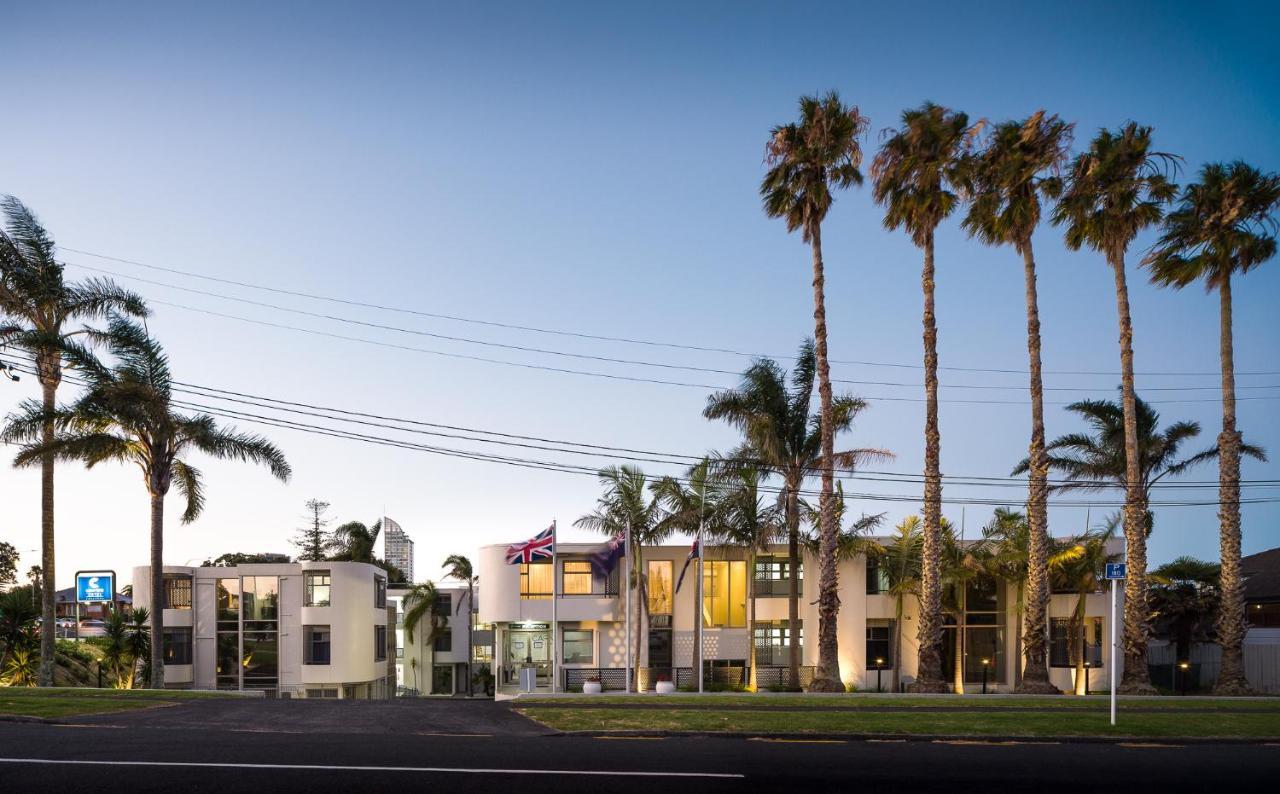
459 770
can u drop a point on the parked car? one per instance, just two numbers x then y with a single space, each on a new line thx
92 628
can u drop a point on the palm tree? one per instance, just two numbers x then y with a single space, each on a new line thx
126 415
961 564
1185 599
780 437
115 650
37 312
354 541
1223 224
459 567
1113 191
1019 165
17 622
807 159
625 509
139 643
917 174
1080 570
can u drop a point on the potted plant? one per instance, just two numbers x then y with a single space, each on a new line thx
592 685
665 684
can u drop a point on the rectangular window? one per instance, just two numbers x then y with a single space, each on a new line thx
443 642
177 591
379 643
315 644
379 592
773 577
443 605
575 577
659 585
260 596
1064 648
877 576
229 604
773 642
724 593
228 663
879 644
579 646
535 580
177 646
316 591
261 660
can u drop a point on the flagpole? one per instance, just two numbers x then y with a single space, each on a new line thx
697 598
555 599
626 554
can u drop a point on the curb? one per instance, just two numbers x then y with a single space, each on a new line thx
930 737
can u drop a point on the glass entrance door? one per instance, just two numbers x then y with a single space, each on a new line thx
527 647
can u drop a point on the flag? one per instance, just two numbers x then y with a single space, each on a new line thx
540 547
605 559
693 552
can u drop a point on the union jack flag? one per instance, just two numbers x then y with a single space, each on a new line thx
540 547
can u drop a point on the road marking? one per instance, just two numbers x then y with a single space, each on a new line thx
632 738
83 725
795 741
1144 745
466 735
344 768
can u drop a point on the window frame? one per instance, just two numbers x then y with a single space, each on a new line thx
309 644
309 587
590 640
526 580
445 638
379 592
1092 650
669 566
709 598
582 570
772 577
879 624
379 643
171 579
186 643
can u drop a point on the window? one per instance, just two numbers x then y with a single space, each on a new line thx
177 646
317 588
879 644
535 580
983 635
773 577
659 585
322 693
442 679
877 576
773 642
724 593
229 604
177 592
575 578
579 646
315 644
443 642
379 643
443 605
261 659
260 596
1064 648
379 592
1263 616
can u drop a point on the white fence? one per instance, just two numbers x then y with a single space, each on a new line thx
1261 663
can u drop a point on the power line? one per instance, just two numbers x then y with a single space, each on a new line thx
600 337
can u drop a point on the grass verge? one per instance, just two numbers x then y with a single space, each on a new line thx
72 702
865 702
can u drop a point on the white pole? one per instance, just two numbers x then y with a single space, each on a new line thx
555 599
626 572
697 606
1112 676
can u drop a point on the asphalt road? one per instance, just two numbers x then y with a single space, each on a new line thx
354 747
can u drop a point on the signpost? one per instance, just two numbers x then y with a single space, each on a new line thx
1115 572
93 587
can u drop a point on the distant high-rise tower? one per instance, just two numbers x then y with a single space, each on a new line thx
399 548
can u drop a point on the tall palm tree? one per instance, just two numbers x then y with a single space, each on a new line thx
918 174
807 159
780 437
38 310
1019 165
632 507
126 415
902 558
459 567
1112 192
1081 568
1224 224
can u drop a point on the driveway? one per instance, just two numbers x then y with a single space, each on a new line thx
426 716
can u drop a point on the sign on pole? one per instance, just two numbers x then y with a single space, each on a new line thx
1115 572
95 587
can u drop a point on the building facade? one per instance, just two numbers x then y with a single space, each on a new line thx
398 547
308 629
434 660
740 608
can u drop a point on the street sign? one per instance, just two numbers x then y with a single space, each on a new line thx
1115 570
95 587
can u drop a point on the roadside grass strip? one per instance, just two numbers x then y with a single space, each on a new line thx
61 702
765 701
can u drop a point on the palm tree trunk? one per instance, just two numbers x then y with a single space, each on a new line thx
793 584
471 606
929 672
642 622
1231 624
827 678
49 376
958 666
897 644
1136 611
1081 686
157 591
1035 675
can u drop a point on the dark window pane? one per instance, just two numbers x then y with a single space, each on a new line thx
229 601
177 646
261 658
444 641
315 647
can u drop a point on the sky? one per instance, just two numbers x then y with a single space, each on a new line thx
595 169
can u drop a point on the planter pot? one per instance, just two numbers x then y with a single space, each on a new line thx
591 687
666 687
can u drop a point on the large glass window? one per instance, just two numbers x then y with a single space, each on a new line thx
724 593
229 603
177 591
443 642
773 577
980 644
260 596
1064 645
379 643
659 585
535 580
316 590
879 644
177 645
228 667
877 576
379 592
315 644
575 577
261 660
579 646
773 642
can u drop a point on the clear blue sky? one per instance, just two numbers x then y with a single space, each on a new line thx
596 170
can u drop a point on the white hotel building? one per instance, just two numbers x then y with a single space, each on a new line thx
590 626
307 629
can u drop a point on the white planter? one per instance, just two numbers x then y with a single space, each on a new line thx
591 687
666 687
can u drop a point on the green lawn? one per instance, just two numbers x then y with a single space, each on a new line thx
1047 722
71 701
856 702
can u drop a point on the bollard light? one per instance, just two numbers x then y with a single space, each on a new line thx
986 663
